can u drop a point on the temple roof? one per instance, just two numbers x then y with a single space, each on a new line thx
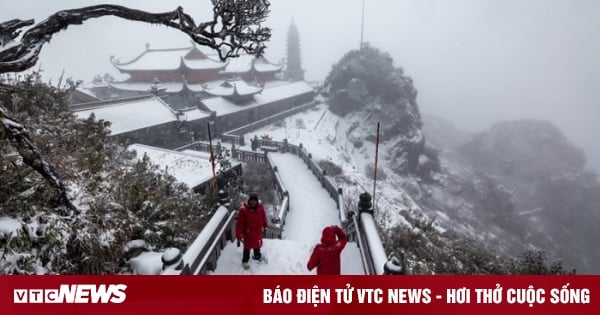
170 59
128 114
246 63
233 88
262 65
192 58
224 106
167 87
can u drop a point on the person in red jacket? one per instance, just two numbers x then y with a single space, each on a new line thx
326 255
249 228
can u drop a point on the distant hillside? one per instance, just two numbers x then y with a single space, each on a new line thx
442 134
556 200
454 202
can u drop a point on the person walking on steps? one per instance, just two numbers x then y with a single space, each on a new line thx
249 228
326 255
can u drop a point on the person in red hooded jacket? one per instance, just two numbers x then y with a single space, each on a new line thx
249 228
326 255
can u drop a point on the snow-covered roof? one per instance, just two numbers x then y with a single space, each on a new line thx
170 59
192 169
170 87
129 114
234 87
93 85
196 87
82 95
203 64
244 63
240 64
223 106
262 65
193 58
194 114
154 59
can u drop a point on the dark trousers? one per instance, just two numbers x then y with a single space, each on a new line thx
246 255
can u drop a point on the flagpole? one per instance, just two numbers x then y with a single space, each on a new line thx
362 24
212 155
375 168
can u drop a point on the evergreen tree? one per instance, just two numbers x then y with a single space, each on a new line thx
294 70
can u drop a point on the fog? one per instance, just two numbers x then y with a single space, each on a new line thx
474 62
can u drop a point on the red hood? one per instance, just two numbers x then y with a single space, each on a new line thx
329 236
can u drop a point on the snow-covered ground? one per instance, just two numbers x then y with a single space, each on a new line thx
323 134
284 257
311 207
189 167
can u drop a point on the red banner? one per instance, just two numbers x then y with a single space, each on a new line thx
289 295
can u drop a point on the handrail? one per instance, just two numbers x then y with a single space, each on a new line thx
341 207
376 252
284 207
201 269
204 245
365 255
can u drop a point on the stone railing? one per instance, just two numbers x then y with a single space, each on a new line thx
202 255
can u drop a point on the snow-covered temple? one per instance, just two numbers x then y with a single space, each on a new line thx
182 76
171 95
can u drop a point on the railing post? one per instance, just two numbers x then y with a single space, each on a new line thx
285 146
394 266
340 205
224 199
172 259
365 204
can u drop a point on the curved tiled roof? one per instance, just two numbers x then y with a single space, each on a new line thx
234 88
262 65
170 59
129 114
169 87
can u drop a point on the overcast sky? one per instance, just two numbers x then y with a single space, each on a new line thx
473 61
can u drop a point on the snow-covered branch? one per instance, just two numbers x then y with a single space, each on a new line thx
20 139
235 27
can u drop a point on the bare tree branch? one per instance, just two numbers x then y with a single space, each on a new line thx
235 28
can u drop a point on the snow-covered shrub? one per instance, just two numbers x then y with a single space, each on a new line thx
118 198
535 262
258 178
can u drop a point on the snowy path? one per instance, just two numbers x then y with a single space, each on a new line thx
311 209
